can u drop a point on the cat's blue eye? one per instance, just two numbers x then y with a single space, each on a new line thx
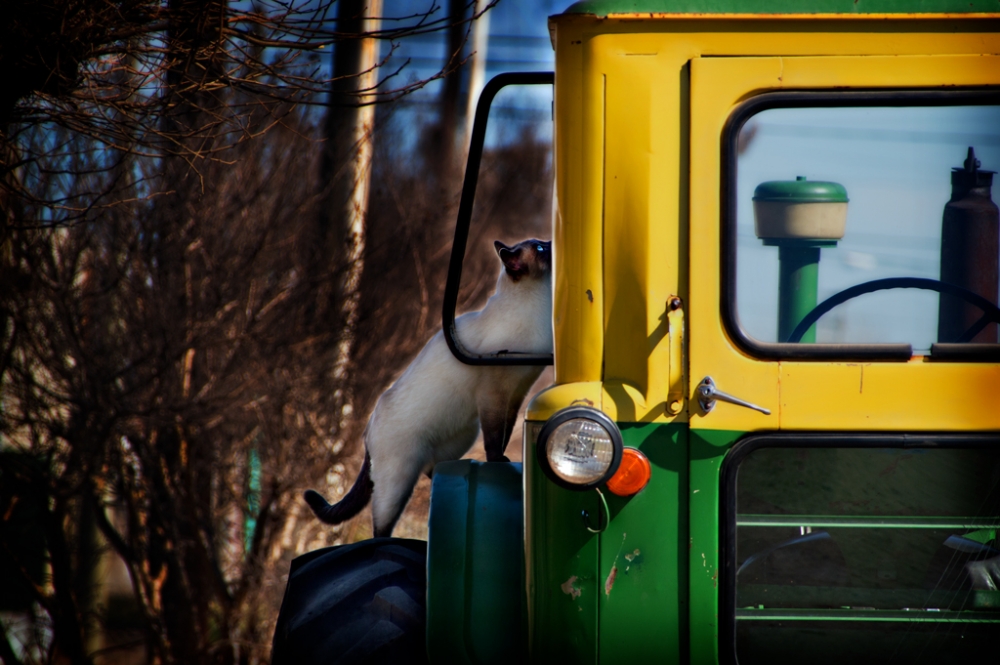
540 248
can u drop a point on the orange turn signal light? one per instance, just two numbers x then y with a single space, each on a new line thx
632 475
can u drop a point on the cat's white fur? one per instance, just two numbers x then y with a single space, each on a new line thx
434 410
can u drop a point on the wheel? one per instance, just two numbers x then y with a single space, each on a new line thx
353 604
991 313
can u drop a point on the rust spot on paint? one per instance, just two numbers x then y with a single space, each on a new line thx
590 295
570 589
633 559
582 401
610 582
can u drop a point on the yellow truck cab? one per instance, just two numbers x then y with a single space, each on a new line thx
880 434
773 434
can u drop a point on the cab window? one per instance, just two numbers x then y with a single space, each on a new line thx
881 203
863 548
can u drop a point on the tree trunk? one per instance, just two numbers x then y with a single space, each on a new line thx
346 173
451 92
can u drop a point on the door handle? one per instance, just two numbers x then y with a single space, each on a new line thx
708 394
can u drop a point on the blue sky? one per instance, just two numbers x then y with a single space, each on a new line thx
518 41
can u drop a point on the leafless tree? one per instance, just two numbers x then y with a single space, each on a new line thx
166 386
127 74
165 379
146 373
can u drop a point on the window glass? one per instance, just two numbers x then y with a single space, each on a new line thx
867 555
891 169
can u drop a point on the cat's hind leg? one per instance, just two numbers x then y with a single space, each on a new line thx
497 424
498 404
394 481
497 417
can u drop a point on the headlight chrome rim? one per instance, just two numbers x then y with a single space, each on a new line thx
571 413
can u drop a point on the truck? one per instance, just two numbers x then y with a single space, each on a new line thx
773 434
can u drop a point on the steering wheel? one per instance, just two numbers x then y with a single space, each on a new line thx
991 313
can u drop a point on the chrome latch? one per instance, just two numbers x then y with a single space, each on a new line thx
708 394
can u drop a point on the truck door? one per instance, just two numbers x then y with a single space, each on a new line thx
845 503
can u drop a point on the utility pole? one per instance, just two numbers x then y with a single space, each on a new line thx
347 157
477 77
451 90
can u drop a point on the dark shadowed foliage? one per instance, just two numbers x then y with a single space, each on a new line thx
171 342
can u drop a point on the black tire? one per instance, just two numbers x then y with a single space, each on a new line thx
353 604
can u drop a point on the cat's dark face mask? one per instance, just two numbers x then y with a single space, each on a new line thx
526 258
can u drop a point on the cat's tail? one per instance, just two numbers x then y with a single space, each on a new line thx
356 499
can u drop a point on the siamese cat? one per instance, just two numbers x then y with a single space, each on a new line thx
434 411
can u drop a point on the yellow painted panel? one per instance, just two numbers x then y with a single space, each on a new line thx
726 37
579 162
887 71
676 42
626 216
918 395
625 403
560 396
710 351
641 223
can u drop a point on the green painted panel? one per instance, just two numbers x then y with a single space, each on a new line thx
707 448
563 584
667 593
475 572
605 7
643 609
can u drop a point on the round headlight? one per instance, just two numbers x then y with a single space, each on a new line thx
579 448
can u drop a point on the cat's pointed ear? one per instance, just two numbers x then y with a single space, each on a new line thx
511 263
